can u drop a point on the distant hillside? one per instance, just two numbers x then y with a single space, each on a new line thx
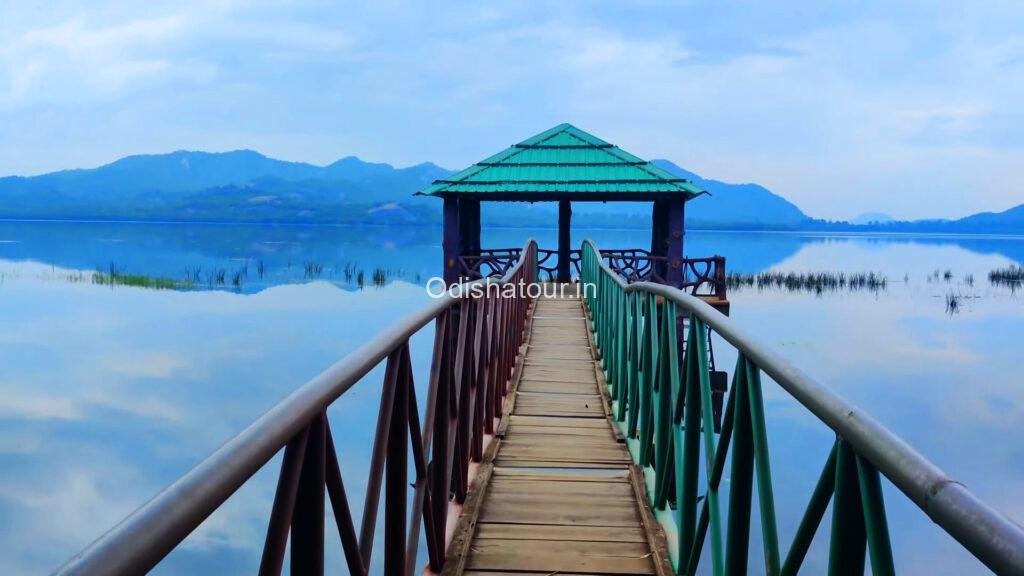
736 205
872 218
1013 218
1010 221
230 186
246 186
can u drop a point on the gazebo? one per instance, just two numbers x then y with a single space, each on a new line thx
565 165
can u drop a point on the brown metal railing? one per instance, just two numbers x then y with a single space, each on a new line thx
477 339
701 276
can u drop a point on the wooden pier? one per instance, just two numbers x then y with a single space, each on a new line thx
560 493
510 458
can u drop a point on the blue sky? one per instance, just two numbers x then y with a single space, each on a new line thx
916 109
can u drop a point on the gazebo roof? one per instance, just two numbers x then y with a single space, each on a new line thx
563 163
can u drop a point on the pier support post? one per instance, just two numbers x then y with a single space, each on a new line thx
564 223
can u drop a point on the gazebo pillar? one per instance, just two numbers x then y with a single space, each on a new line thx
667 240
659 237
451 242
461 218
469 218
676 272
564 224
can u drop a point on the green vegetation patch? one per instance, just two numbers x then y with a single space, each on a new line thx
138 280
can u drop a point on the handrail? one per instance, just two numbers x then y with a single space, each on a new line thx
148 534
989 535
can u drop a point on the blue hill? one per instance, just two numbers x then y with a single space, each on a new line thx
246 186
745 205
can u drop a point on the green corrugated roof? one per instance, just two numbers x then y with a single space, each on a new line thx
564 161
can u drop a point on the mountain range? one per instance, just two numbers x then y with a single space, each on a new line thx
246 186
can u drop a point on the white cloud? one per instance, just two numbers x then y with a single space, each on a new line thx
44 62
37 405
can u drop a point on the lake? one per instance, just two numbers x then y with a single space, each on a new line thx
109 393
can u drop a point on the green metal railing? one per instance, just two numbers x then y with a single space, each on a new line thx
662 401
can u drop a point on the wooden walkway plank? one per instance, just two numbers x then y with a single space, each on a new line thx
560 496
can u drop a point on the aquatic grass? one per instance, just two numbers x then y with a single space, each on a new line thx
137 280
217 277
815 282
312 270
192 273
1011 276
952 303
236 277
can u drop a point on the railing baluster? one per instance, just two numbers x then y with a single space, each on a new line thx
647 391
284 505
488 368
420 501
848 540
307 542
463 411
440 461
342 511
377 457
714 480
698 346
397 476
876 525
691 455
765 492
741 479
663 415
813 514
436 430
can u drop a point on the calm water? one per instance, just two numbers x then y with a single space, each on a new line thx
108 394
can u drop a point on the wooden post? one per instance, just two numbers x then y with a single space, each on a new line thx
564 224
451 243
674 271
469 226
674 274
659 236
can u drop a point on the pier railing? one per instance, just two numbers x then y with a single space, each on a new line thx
662 402
476 341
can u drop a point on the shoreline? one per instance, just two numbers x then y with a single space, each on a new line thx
821 233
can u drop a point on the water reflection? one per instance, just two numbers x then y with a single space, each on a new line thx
108 394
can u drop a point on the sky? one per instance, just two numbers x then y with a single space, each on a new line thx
915 109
